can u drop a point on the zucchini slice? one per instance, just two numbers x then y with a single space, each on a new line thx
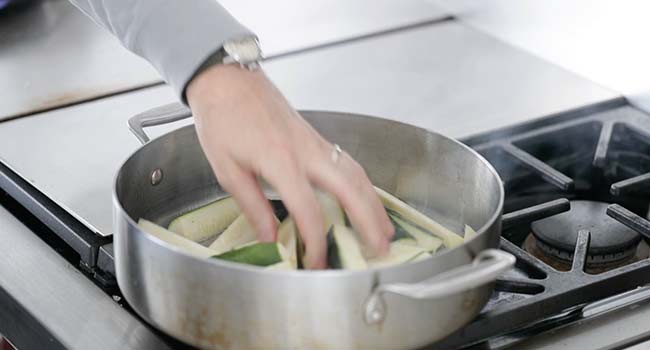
469 233
239 232
333 214
407 241
424 239
258 254
422 256
343 249
404 211
172 238
400 231
283 265
207 221
287 237
399 253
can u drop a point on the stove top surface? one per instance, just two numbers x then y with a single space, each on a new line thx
577 202
575 217
611 244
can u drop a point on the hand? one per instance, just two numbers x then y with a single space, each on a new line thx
247 129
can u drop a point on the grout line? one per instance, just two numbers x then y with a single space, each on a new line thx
362 37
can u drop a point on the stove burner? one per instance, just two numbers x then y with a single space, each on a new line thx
612 243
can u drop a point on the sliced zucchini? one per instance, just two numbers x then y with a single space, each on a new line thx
469 233
343 249
333 214
207 221
288 239
400 231
407 241
422 256
172 238
404 211
284 253
283 265
258 254
239 232
399 253
424 239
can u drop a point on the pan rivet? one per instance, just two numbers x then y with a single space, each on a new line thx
156 177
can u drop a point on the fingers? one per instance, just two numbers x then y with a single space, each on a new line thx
300 200
243 186
347 180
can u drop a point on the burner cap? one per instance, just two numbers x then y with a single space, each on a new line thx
608 236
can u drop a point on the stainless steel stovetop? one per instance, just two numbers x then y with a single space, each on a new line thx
583 173
577 205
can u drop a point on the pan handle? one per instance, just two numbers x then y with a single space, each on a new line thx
157 116
485 268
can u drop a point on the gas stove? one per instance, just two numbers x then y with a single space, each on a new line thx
576 212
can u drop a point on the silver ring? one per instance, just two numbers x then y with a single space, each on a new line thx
336 153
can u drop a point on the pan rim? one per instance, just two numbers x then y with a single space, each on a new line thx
329 273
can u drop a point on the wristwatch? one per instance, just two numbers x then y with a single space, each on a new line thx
245 51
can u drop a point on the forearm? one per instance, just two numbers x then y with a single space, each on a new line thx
176 37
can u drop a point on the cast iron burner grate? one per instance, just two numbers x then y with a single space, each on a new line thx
574 158
612 244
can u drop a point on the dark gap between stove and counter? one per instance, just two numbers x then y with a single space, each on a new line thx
21 321
75 234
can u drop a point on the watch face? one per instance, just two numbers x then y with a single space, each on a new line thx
244 51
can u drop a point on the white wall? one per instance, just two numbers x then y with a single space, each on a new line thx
606 41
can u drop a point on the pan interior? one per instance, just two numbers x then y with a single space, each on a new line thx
434 174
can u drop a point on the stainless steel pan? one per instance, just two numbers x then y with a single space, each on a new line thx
216 304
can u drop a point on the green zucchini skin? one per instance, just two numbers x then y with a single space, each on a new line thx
259 254
236 240
333 258
283 266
